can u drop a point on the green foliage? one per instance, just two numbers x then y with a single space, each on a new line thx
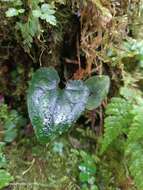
52 110
134 145
134 49
14 8
134 153
87 173
5 177
29 30
117 121
124 117
130 54
10 121
58 147
46 12
14 12
32 27
97 26
57 163
3 161
99 87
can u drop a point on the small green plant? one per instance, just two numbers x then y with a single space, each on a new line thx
87 169
5 177
133 48
32 27
53 110
58 148
117 121
130 54
99 87
45 12
14 12
124 121
10 120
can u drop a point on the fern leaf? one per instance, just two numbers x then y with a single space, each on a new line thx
125 117
117 121
136 129
134 153
134 147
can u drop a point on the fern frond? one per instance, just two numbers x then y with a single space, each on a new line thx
134 147
126 117
134 153
118 118
136 129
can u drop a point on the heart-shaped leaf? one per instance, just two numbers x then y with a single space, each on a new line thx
53 110
99 87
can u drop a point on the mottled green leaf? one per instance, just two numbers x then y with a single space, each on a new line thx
53 110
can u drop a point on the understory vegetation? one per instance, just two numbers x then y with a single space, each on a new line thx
71 95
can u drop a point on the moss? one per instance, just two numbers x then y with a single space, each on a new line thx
37 167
